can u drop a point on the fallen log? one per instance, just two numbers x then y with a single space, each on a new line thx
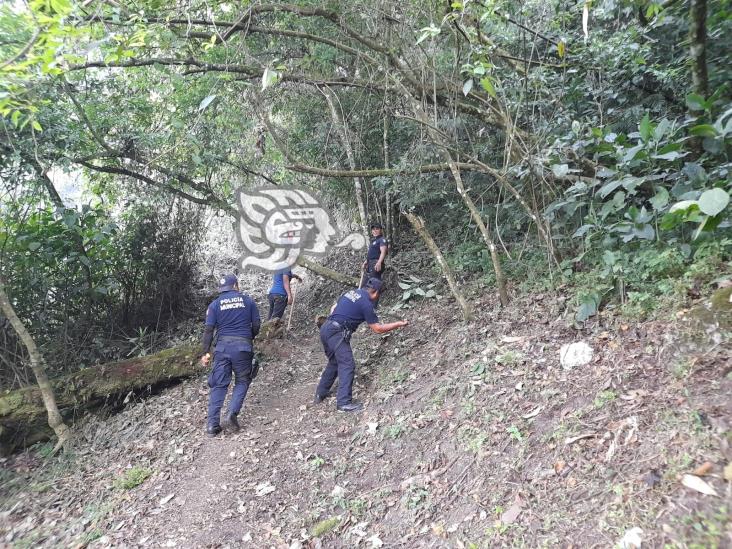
23 417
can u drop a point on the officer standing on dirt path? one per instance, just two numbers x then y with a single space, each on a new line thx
236 318
280 294
353 308
374 264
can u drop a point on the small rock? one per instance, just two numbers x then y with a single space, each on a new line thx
575 354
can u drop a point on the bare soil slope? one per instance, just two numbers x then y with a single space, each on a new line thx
473 436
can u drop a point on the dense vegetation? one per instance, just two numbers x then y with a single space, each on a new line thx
541 142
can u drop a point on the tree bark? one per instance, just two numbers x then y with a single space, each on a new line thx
418 224
55 421
327 273
340 123
698 46
89 389
486 234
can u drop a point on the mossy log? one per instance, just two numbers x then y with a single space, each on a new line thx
23 417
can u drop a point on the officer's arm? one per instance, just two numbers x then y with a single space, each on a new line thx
286 284
382 255
207 338
379 328
208 329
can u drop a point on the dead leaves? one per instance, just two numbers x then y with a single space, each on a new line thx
695 483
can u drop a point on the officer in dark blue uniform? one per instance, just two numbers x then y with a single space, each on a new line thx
236 318
353 308
374 264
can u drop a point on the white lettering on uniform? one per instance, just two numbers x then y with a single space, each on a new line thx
232 303
353 295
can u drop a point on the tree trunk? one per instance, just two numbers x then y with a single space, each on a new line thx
474 213
55 421
419 226
485 232
340 123
327 273
698 46
89 389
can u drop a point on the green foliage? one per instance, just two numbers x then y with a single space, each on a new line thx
132 478
324 526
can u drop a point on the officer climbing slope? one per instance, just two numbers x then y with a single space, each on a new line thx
353 308
236 318
280 294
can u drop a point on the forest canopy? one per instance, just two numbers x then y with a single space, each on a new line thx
537 142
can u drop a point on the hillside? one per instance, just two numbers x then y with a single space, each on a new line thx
473 436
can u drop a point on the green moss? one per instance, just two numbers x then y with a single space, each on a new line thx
324 526
132 478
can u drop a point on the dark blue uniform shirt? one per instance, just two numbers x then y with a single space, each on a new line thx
375 248
353 308
233 313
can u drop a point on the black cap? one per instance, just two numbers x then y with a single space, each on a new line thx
375 225
227 282
374 283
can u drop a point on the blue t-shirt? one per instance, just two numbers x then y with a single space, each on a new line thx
233 313
375 248
353 308
278 284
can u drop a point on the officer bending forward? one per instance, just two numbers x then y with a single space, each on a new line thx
236 317
353 308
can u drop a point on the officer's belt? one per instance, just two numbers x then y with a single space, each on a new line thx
234 339
335 323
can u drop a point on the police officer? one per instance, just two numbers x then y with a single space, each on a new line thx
353 308
236 318
374 264
280 294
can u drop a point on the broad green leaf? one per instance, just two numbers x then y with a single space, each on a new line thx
561 49
670 156
695 102
660 199
684 206
645 128
33 246
467 86
269 77
713 201
487 85
560 170
703 130
206 102
36 126
404 286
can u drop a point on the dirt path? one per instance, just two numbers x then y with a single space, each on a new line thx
472 436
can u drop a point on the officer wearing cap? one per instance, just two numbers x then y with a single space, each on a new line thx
374 264
236 318
280 294
353 308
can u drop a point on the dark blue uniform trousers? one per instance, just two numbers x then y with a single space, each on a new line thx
277 305
337 346
228 357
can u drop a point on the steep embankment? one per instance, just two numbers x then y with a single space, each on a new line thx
473 436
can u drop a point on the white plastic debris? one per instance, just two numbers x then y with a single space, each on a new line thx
632 539
575 354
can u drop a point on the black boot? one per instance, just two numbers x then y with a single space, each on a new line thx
320 398
351 407
231 424
214 430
